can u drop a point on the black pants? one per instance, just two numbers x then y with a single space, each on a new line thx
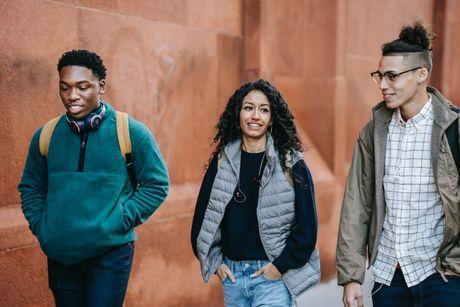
432 292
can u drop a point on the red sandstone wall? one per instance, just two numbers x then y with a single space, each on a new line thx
172 64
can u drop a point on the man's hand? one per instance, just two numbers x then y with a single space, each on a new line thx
270 272
351 292
223 271
450 273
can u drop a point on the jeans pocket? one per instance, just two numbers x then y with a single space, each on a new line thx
121 255
227 280
272 292
269 279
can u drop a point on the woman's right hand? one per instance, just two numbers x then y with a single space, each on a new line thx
223 271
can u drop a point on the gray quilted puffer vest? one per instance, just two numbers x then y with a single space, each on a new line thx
275 213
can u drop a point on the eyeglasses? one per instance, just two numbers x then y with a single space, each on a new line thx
389 76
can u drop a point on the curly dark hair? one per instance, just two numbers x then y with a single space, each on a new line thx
284 131
83 58
413 40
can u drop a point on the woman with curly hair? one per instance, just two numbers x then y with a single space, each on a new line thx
255 222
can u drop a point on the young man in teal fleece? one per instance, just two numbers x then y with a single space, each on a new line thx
79 200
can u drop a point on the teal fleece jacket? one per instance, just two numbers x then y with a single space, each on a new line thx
77 215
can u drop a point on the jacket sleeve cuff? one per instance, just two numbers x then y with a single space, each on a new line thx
279 265
342 279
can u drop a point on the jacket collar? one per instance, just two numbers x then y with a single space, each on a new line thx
443 115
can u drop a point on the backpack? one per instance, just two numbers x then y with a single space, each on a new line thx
452 135
124 141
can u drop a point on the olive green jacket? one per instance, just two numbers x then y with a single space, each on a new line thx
363 210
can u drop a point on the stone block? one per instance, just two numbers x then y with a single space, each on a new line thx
312 103
329 198
219 16
24 279
320 35
181 200
223 16
28 87
230 61
174 11
14 229
106 5
252 37
282 38
155 76
361 96
373 23
450 85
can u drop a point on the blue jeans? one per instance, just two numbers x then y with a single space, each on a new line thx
432 292
100 281
251 292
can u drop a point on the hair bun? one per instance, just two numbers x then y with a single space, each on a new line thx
416 35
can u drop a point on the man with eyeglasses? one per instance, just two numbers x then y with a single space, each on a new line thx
401 202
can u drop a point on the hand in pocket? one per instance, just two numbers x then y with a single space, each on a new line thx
223 271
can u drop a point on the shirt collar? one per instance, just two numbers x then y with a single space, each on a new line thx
425 114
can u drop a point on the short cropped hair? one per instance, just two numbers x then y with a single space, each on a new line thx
83 58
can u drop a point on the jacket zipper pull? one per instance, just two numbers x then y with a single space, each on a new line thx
81 160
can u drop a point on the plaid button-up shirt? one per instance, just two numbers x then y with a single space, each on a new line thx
414 223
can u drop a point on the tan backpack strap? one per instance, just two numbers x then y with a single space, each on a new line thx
46 134
124 139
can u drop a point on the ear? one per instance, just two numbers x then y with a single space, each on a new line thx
422 75
101 86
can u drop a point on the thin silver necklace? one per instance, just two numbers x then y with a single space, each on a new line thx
239 197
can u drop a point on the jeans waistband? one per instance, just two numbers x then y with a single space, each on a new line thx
245 265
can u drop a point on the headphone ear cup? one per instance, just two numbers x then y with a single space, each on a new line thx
94 121
77 126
